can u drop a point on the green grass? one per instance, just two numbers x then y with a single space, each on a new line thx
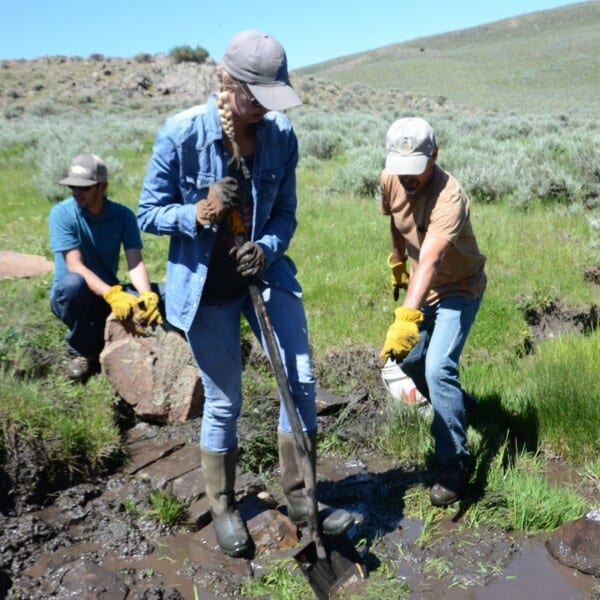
31 338
406 435
564 388
519 496
166 507
284 581
25 209
76 423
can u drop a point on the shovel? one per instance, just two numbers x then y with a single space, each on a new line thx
329 562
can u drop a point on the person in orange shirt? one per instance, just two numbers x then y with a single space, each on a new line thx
435 257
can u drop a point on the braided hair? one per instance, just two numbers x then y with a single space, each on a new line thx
225 113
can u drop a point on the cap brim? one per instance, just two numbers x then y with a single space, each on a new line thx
275 97
401 164
77 182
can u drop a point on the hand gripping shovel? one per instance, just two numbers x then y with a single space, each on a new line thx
329 562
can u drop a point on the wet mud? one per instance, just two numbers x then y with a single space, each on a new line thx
86 544
98 538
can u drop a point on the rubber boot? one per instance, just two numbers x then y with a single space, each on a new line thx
334 521
219 471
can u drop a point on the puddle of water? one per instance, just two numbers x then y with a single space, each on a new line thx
58 558
533 573
167 565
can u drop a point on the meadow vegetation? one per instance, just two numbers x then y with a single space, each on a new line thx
535 205
534 181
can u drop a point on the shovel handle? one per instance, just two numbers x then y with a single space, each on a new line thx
288 403
237 227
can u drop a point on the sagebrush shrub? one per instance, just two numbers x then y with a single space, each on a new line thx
188 54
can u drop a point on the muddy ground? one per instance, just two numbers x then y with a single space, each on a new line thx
83 542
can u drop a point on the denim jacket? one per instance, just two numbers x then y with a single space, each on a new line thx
188 155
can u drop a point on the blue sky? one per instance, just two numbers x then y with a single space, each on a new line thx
311 31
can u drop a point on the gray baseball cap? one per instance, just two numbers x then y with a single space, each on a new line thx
410 142
85 170
259 61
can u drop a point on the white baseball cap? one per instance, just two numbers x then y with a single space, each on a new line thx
410 142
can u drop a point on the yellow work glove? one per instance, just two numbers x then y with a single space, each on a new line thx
399 277
121 303
223 195
402 335
147 310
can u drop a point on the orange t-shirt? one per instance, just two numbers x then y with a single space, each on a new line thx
442 210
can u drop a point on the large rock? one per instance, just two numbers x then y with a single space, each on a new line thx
577 544
153 371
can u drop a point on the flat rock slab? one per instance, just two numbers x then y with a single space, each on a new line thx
14 265
328 403
183 466
142 454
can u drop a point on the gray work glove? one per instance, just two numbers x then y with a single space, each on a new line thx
250 259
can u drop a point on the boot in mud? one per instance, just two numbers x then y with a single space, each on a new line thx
333 521
450 484
230 529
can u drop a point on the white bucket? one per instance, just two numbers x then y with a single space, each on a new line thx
400 385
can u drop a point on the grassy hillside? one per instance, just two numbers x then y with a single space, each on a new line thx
543 62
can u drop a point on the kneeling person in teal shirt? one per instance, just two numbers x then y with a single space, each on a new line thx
86 234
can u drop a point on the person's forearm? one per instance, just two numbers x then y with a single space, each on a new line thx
95 283
139 277
419 286
422 277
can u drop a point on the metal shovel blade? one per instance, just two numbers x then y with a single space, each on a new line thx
339 569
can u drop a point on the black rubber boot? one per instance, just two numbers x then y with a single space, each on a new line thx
333 521
219 470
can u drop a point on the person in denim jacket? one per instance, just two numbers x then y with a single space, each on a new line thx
237 152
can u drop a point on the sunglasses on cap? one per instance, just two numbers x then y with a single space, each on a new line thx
83 188
248 94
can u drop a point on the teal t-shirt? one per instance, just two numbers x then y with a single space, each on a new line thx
99 239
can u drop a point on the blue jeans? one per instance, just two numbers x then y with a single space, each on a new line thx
85 313
433 366
215 340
